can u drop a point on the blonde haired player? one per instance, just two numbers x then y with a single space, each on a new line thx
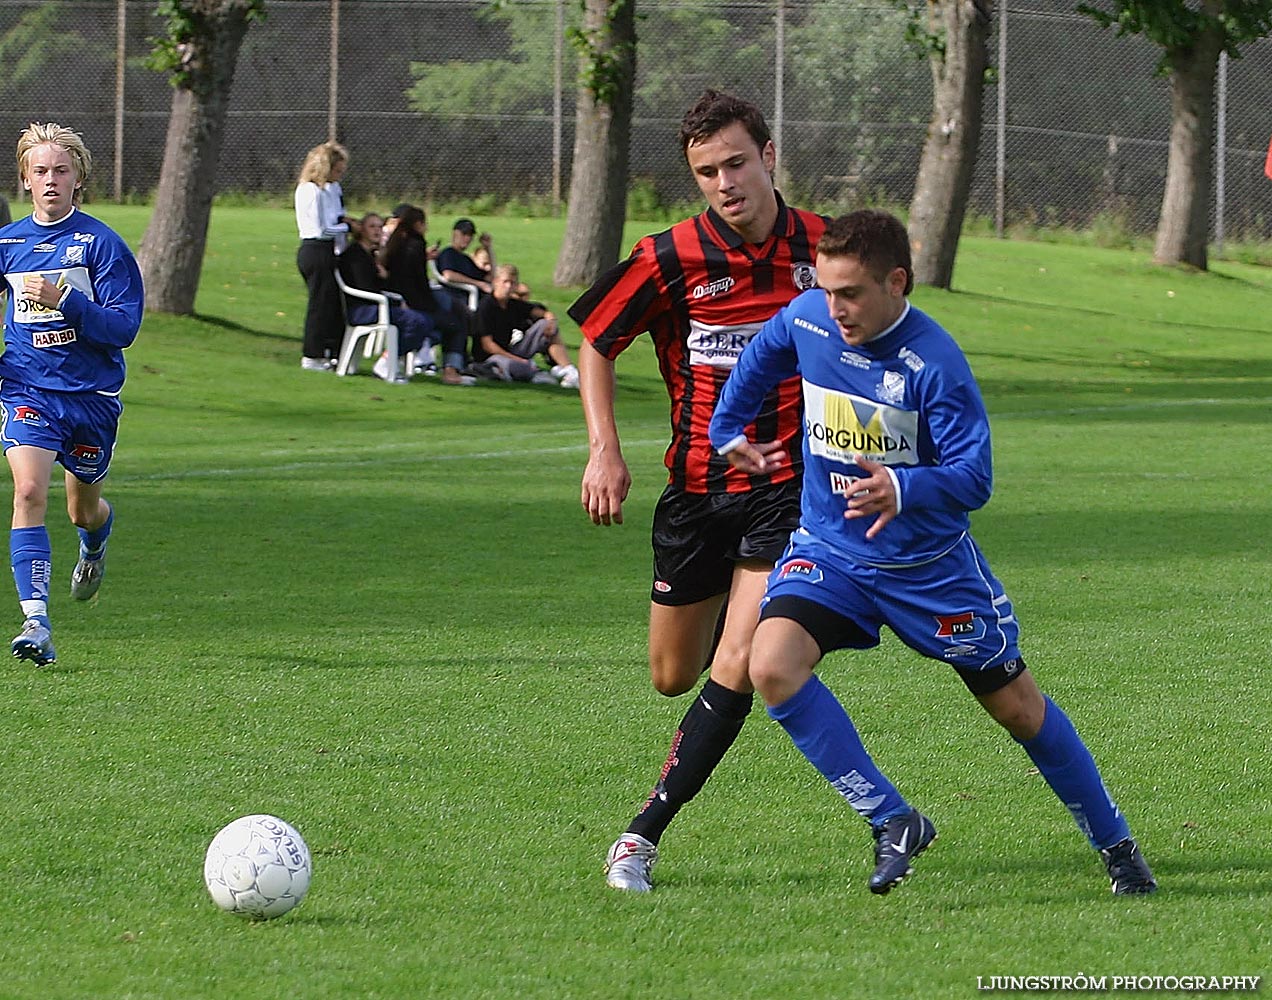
75 302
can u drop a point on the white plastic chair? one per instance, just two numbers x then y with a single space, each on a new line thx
372 337
436 280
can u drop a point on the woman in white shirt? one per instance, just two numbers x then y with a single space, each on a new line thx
323 230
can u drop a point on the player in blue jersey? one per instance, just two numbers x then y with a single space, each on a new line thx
896 453
75 302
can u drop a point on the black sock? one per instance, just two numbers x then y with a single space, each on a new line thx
707 731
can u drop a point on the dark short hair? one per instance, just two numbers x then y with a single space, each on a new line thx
717 110
875 237
464 226
399 210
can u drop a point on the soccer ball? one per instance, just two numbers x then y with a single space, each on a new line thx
258 867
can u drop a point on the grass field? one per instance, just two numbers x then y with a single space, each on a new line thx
380 613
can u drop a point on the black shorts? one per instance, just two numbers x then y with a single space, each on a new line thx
699 537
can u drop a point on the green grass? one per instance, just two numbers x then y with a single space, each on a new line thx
380 613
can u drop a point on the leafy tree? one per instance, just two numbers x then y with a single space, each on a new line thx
1192 34
521 82
33 44
198 52
956 36
603 119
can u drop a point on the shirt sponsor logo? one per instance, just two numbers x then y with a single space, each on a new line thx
27 415
803 276
839 426
844 485
85 237
801 569
713 288
53 338
719 346
912 360
807 325
27 311
13 239
44 248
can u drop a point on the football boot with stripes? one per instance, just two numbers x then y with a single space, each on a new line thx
629 862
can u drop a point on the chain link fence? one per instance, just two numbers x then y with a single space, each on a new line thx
466 101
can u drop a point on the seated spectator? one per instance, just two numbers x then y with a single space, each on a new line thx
406 259
513 331
360 267
455 265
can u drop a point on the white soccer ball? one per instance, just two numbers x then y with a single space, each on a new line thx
258 867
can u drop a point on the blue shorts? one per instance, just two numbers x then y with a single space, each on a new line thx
79 427
952 609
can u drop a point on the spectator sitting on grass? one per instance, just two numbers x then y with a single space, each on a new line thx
513 331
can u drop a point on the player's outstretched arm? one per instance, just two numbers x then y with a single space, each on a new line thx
606 479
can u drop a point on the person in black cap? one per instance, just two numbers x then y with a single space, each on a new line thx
454 265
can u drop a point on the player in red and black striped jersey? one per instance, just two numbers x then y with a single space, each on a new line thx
701 289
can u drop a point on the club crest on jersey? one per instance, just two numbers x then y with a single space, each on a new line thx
892 389
803 276
27 415
962 627
801 569
87 454
73 254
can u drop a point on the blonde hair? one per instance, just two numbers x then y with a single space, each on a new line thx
320 160
507 271
51 133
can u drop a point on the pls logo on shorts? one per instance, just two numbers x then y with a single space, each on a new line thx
87 454
801 569
27 415
962 626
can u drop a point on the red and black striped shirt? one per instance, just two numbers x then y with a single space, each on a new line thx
702 292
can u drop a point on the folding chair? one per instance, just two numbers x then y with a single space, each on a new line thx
373 337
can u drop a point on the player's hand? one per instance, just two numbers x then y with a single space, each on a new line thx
758 458
874 496
606 482
38 288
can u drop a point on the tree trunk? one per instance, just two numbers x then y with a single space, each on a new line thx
1183 230
597 204
171 252
943 185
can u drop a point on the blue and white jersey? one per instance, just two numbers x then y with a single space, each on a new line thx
907 399
77 346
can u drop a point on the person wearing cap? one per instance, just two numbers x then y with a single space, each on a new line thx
456 266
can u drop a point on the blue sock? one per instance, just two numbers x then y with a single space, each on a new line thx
1069 768
820 727
94 542
32 559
